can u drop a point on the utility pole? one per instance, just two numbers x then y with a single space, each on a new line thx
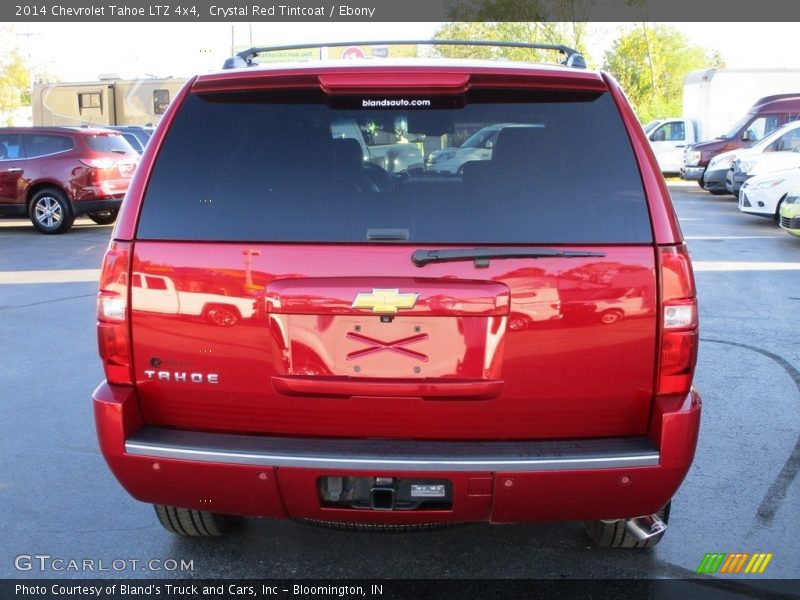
28 35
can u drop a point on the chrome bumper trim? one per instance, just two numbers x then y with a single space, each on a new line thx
392 455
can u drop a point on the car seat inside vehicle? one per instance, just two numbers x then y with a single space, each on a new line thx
349 166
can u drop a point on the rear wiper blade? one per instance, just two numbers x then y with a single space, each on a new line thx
481 256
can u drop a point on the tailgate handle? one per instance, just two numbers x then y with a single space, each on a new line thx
346 387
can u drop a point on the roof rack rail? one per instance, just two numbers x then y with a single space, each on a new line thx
246 58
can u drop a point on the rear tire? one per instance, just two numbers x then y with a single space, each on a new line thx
195 523
610 316
50 211
106 217
222 315
614 534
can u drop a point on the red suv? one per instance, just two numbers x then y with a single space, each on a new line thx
54 174
407 349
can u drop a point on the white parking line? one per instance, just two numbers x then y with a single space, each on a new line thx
65 276
710 265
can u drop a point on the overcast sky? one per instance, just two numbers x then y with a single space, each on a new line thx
81 52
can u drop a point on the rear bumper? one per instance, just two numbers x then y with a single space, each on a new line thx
492 481
82 207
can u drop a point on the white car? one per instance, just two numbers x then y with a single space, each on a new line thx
768 162
478 146
668 138
783 153
717 177
762 195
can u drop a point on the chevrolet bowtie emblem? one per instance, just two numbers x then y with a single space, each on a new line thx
385 301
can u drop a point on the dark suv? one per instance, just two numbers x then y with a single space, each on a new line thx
54 174
512 344
136 135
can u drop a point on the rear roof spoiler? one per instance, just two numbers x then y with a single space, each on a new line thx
246 58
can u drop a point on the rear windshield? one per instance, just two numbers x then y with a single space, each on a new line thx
255 167
111 142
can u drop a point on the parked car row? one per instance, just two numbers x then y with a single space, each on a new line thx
680 148
708 162
727 171
758 160
765 178
52 175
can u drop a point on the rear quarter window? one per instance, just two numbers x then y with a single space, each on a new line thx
252 167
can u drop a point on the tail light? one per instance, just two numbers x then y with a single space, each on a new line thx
113 334
99 169
679 333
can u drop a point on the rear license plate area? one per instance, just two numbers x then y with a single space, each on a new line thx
403 347
385 493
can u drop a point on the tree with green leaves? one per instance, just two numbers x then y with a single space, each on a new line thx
15 83
567 34
651 62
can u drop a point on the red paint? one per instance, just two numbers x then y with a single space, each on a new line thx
293 493
564 373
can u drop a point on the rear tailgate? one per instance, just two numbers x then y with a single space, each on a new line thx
517 350
296 308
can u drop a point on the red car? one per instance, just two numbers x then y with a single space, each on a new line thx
54 174
381 378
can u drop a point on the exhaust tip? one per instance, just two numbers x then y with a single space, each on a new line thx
645 528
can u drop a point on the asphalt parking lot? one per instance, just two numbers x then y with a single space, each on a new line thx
742 494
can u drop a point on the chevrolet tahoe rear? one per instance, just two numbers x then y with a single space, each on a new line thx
512 344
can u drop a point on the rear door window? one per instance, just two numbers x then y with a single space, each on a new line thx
10 146
38 144
255 167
